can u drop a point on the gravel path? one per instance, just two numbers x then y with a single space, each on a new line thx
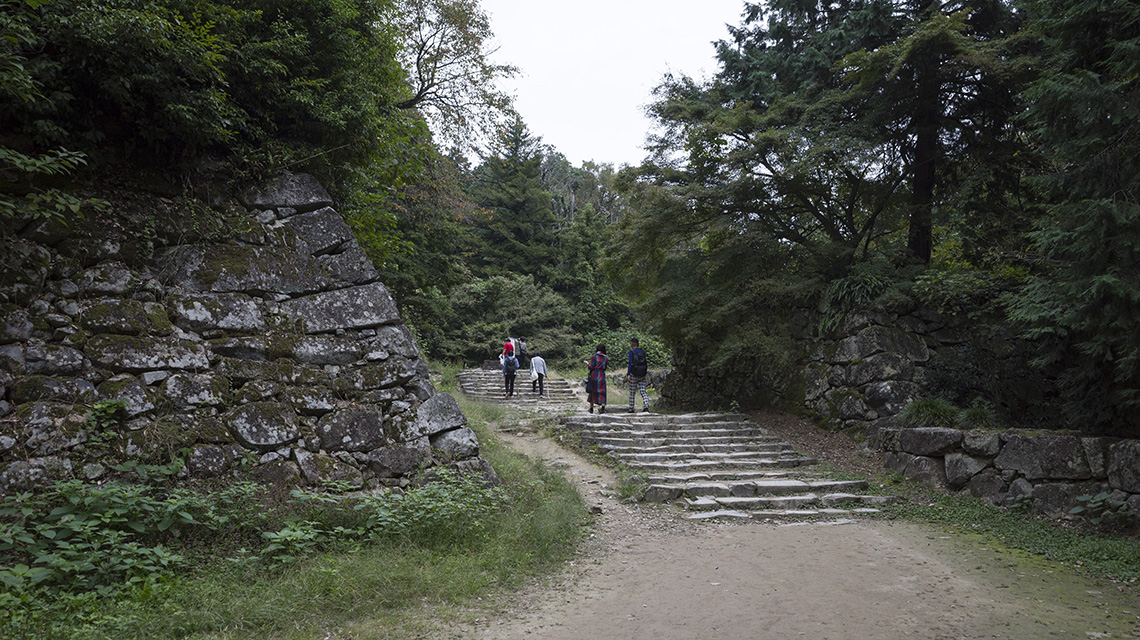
648 573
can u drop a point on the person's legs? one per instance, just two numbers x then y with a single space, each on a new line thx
644 396
541 386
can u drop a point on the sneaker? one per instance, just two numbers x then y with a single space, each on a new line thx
603 409
591 409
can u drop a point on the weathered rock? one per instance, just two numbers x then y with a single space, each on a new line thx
400 460
327 350
253 270
233 312
15 324
125 317
395 371
981 443
263 426
107 279
53 360
128 390
877 368
987 485
456 444
961 468
476 467
931 471
1055 498
361 428
207 461
310 401
71 390
877 339
1018 488
134 355
1044 457
1124 466
929 441
320 469
25 475
890 397
189 390
351 266
299 192
438 414
12 359
359 307
324 231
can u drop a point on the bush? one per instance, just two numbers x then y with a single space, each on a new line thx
930 412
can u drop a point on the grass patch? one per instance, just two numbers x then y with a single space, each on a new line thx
1098 552
366 589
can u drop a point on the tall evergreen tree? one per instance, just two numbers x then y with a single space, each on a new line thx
1084 115
516 232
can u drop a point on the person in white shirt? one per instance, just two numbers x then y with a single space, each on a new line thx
537 373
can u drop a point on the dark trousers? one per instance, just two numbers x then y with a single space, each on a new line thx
538 383
510 380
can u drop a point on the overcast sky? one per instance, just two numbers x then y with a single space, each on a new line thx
588 67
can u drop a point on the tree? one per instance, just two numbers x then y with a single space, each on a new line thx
516 233
450 77
1083 304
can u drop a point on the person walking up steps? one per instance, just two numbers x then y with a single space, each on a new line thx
510 366
635 374
596 383
537 373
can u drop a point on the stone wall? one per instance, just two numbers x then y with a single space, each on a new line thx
276 353
1051 469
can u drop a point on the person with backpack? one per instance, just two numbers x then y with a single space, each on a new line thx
510 366
537 374
521 352
635 374
596 382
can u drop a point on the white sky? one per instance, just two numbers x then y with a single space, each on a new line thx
588 67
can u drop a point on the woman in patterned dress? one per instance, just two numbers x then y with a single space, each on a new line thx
596 383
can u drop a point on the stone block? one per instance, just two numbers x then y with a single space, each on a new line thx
15 324
1044 457
263 426
400 460
107 279
1056 498
961 468
358 307
299 192
890 397
207 461
128 390
189 390
877 339
53 360
988 486
360 428
931 471
438 414
232 312
929 441
457 444
662 493
981 443
125 317
350 266
71 390
130 354
252 270
1124 466
323 231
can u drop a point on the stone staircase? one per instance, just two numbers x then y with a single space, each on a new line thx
487 385
721 466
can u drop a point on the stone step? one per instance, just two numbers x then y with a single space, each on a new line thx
701 456
844 515
748 488
690 435
685 449
749 464
799 501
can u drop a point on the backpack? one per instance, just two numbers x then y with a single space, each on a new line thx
639 367
510 365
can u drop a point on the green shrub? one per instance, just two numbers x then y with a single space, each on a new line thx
929 412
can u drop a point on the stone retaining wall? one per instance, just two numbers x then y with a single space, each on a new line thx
1052 469
278 353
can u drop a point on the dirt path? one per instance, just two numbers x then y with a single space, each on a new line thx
650 574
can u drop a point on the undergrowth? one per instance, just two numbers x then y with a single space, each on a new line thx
82 561
1096 551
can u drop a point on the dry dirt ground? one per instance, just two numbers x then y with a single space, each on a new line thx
647 573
